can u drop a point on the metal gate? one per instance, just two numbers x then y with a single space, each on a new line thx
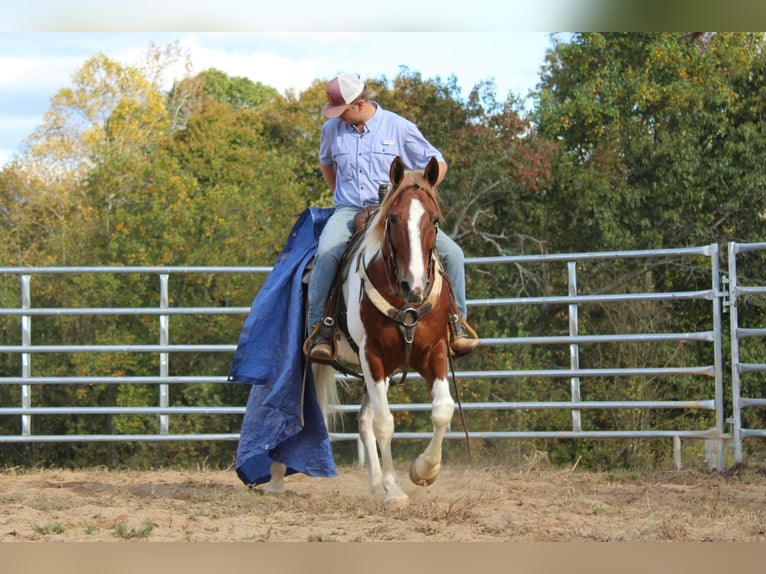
744 371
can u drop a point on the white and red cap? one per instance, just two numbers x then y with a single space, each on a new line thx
341 91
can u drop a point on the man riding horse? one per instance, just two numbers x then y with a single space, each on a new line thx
357 145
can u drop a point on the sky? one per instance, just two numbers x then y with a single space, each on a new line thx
37 64
288 45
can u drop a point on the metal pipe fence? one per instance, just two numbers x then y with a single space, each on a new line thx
738 294
711 388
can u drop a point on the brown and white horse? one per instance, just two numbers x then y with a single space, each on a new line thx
398 306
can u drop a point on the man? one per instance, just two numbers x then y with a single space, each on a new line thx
357 145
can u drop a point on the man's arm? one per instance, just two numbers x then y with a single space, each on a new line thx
442 172
328 172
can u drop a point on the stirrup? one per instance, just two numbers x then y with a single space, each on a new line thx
459 329
323 333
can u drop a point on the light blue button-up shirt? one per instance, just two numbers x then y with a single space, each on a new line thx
362 159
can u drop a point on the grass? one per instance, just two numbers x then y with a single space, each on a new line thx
49 528
123 531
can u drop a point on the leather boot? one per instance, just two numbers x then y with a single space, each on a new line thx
460 343
319 345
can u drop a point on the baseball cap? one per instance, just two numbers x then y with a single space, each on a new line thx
341 91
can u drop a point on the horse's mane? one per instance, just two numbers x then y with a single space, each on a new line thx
412 179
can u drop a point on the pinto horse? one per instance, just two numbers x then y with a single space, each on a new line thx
398 305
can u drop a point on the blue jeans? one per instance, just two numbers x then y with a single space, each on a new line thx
332 244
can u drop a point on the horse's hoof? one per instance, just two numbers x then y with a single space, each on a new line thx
274 490
419 480
393 504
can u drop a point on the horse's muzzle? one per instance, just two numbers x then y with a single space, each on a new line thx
413 296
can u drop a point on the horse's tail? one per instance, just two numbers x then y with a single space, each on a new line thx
327 392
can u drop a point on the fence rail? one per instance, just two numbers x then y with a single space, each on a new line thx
573 300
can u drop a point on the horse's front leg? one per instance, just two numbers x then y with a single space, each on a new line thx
367 436
425 468
382 422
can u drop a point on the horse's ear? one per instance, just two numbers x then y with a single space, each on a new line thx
396 171
432 171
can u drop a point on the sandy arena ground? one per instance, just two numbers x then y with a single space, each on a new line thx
487 503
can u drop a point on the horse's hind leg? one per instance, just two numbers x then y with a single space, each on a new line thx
277 483
425 468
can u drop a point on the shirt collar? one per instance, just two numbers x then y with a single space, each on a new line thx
373 121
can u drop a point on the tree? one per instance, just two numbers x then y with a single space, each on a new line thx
661 138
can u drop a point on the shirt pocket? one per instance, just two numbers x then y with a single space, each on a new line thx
382 155
344 168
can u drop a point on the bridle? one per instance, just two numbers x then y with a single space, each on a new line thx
390 262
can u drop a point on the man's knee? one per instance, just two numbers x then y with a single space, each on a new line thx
449 249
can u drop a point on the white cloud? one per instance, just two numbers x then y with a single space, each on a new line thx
37 65
280 72
36 72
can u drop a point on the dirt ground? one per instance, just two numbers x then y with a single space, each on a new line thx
487 503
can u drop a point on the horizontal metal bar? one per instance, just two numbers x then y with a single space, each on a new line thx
701 434
751 367
748 402
117 348
463 375
553 405
707 371
127 270
707 294
117 311
705 250
742 333
563 340
56 312
110 380
354 408
122 411
116 438
706 434
750 290
706 336
744 247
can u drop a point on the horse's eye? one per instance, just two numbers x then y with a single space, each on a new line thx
393 219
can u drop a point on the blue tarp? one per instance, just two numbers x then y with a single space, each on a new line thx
282 419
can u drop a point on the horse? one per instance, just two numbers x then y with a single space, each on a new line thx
398 304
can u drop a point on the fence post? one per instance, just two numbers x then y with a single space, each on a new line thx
164 355
715 265
574 348
26 358
735 382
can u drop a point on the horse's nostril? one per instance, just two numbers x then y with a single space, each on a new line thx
414 296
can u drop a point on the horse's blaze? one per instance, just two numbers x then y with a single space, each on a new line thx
417 265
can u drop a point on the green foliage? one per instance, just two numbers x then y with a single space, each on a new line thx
238 93
661 138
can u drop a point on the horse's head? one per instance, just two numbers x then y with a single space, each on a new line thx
410 215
